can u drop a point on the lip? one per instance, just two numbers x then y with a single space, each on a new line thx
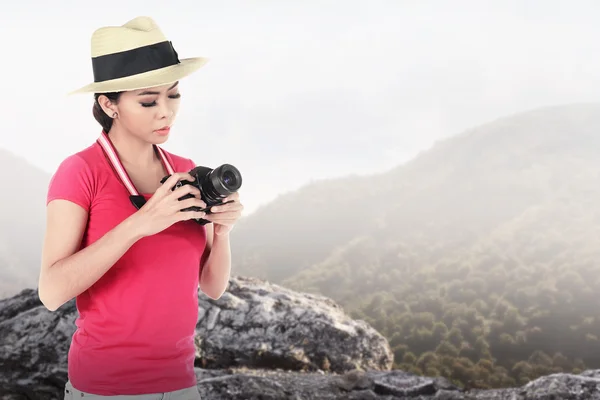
163 131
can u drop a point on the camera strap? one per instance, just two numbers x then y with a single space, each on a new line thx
135 197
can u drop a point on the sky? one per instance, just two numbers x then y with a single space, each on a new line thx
302 91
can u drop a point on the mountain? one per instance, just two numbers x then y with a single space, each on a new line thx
482 249
462 187
22 221
480 254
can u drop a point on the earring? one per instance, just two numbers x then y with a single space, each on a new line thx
114 115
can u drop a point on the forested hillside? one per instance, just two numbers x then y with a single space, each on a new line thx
478 259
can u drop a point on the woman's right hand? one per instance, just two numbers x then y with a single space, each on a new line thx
163 209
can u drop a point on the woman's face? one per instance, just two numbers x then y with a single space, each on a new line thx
149 113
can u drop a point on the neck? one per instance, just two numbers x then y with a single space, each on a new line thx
131 150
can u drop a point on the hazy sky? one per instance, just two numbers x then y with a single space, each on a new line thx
297 91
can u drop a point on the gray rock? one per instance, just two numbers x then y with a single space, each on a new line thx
295 385
34 345
261 325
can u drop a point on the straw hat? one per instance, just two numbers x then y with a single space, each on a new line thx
135 56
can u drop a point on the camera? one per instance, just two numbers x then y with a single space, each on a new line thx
214 184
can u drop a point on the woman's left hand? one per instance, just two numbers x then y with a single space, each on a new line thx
224 216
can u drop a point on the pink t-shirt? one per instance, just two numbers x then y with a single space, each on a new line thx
136 324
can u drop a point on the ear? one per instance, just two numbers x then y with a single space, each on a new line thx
109 108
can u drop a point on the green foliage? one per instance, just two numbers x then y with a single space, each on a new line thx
478 260
508 335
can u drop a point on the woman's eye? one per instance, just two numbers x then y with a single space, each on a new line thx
173 96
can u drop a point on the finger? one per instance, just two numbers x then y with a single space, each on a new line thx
227 200
187 215
174 178
191 202
221 218
227 207
224 223
227 213
234 196
185 176
186 189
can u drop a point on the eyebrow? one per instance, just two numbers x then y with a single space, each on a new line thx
147 92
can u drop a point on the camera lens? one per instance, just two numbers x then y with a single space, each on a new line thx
224 180
229 178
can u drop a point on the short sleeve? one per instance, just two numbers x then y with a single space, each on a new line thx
73 181
191 164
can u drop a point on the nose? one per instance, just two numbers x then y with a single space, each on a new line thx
164 111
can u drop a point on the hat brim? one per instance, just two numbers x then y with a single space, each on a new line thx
148 79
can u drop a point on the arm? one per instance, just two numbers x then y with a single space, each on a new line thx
63 274
215 266
65 271
215 263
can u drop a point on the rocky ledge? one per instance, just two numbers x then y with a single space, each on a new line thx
258 341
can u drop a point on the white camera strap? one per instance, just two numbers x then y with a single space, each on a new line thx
111 154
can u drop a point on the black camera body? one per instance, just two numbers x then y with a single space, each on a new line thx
214 184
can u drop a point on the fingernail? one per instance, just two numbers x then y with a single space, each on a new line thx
215 208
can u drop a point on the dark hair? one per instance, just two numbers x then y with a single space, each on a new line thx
104 120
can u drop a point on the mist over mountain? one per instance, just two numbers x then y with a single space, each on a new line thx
478 259
22 220
449 195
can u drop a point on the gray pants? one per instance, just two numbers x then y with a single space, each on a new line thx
184 394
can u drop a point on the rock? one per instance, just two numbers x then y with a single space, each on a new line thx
294 385
257 324
34 344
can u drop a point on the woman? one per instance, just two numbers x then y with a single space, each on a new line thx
117 240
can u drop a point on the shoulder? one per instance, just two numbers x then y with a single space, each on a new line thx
85 162
78 162
89 159
179 162
75 178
